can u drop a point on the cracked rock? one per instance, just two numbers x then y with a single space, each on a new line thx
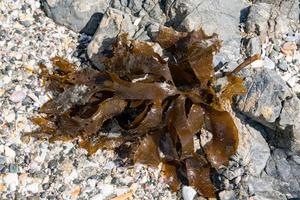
271 102
272 18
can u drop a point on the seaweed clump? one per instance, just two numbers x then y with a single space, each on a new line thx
158 104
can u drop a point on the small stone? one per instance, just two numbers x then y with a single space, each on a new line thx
283 65
296 159
76 192
268 63
254 46
46 186
2 160
289 48
17 96
9 153
11 180
227 195
188 193
33 187
52 164
13 168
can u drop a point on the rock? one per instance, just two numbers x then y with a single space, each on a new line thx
78 15
17 96
289 48
188 193
266 91
283 65
227 195
253 46
264 188
33 188
271 102
253 149
11 180
267 18
289 122
268 63
10 154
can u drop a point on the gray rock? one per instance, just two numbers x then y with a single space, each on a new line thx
283 65
227 195
266 91
264 188
217 16
273 18
289 122
77 15
253 46
268 63
271 102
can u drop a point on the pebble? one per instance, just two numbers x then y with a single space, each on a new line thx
17 96
289 48
283 65
188 193
33 188
268 63
11 180
10 154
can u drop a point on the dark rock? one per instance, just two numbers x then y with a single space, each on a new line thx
46 186
283 65
77 15
52 164
253 46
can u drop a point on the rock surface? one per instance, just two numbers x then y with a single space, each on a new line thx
80 16
273 18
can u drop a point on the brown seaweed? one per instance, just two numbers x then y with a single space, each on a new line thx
160 103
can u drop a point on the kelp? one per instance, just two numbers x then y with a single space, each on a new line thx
158 103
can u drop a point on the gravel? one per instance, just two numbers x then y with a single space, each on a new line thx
36 169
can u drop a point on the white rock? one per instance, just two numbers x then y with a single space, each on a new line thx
17 96
10 154
33 187
268 63
12 181
98 197
110 165
106 189
10 116
188 193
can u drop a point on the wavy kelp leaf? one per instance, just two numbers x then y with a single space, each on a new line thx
151 121
198 174
169 173
181 127
149 145
130 57
142 91
225 137
200 57
234 87
167 37
106 110
63 65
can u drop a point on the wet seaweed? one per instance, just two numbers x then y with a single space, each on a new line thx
160 103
